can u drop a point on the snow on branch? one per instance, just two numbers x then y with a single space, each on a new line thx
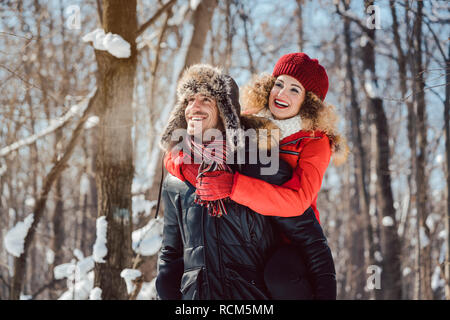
15 238
100 249
113 43
54 125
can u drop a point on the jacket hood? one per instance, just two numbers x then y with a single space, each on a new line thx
315 116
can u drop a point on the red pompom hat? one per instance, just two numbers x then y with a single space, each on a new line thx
307 71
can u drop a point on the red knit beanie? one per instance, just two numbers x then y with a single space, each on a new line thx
307 71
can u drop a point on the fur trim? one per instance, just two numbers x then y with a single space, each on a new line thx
316 114
266 141
209 81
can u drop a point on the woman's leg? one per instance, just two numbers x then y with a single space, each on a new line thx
286 276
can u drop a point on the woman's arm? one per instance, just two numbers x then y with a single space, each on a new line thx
296 195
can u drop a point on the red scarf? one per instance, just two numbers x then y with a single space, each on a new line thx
213 155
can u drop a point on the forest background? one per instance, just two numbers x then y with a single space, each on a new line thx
79 160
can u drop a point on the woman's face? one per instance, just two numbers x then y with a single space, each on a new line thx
286 97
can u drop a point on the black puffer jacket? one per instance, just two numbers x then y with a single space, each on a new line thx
224 257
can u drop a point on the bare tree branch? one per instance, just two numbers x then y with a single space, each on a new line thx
58 167
57 123
100 11
152 20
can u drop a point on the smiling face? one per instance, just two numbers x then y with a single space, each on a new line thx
286 97
201 111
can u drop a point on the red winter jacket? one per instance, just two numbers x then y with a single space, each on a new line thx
309 155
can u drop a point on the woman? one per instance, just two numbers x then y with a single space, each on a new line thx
292 98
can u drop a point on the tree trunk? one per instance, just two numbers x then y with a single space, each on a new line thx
411 124
421 179
229 37
360 159
202 24
391 275
447 153
115 167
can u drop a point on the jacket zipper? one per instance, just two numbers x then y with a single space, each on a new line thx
205 274
298 139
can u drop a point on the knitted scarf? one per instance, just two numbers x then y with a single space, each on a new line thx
214 156
287 126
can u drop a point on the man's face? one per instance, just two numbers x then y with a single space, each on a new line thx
201 111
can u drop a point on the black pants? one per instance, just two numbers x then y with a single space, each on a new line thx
286 275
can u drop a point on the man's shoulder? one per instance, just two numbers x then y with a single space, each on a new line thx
174 185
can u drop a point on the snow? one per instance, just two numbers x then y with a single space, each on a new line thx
424 240
100 250
85 265
64 270
3 169
80 277
363 41
50 256
113 43
79 287
431 221
95 294
25 297
443 252
194 4
378 257
78 254
406 271
436 280
147 240
91 122
84 184
387 221
148 291
129 275
442 234
140 204
15 238
29 202
371 87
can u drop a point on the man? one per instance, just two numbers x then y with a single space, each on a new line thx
219 249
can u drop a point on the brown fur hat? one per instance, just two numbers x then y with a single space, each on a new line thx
316 115
209 81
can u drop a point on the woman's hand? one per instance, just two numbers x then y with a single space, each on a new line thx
215 185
